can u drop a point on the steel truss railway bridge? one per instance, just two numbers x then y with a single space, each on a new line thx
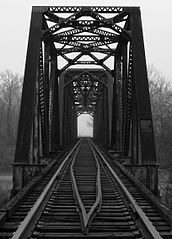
85 60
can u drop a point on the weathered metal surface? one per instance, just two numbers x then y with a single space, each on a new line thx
115 92
24 140
141 87
115 203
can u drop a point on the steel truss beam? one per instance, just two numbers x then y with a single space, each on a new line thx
88 36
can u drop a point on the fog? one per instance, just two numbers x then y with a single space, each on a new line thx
84 130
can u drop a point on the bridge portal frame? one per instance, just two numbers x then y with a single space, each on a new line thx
131 124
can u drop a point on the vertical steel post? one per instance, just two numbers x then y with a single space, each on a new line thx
95 118
115 138
61 93
46 95
24 137
148 153
64 119
106 116
124 95
55 126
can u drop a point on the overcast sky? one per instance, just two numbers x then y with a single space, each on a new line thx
156 21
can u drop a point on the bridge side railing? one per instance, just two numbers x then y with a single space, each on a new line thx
146 173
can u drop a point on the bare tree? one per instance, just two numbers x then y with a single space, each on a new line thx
161 103
90 122
10 95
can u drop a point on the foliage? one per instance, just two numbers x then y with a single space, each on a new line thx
161 103
5 196
10 94
6 158
90 122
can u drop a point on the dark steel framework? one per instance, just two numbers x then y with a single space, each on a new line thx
84 59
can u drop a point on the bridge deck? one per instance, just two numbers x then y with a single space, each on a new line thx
84 194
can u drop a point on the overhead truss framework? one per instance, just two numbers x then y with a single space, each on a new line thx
86 88
85 32
62 40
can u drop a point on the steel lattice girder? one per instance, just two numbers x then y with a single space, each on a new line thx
87 31
86 91
88 35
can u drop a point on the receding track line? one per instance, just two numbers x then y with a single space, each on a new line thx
86 196
87 217
145 223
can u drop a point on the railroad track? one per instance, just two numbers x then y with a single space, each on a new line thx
86 195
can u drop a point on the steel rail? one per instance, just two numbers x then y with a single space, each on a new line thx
25 228
86 218
151 231
82 211
97 205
